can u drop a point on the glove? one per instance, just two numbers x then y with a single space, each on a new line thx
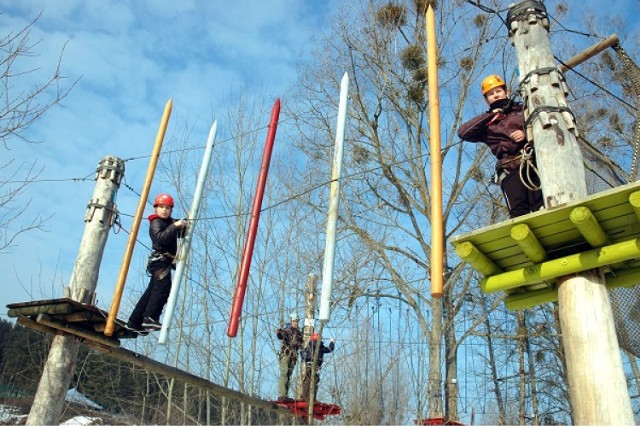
503 104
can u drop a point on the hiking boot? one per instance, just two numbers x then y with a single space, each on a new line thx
151 324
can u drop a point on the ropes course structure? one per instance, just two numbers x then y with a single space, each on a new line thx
507 255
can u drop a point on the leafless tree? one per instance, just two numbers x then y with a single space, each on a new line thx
22 104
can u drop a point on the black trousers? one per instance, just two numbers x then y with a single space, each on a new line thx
154 298
306 382
520 199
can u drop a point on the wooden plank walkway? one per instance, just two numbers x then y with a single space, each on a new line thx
561 242
73 317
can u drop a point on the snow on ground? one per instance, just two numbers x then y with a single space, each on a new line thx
11 415
82 420
74 396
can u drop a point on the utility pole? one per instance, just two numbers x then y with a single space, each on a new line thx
309 323
58 371
309 308
597 385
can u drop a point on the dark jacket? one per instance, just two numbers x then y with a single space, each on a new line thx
307 353
495 134
291 341
164 240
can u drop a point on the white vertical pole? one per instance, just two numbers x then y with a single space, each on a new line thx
334 203
186 243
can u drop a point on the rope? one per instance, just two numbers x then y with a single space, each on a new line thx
633 72
528 170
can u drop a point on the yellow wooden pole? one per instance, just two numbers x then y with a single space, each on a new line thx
437 233
528 243
126 261
588 226
530 299
479 261
593 258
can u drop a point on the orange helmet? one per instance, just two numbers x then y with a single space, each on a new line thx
163 199
492 81
315 336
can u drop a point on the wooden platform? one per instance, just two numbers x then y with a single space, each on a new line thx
300 408
523 256
72 317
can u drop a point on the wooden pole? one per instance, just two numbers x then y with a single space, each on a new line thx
597 385
48 402
309 328
247 254
309 322
589 52
186 242
334 204
126 261
437 233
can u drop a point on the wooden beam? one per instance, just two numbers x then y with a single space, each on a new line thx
526 300
528 243
160 368
624 279
634 201
588 226
30 310
74 330
469 253
589 52
570 264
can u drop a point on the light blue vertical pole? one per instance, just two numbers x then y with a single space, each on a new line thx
334 203
186 243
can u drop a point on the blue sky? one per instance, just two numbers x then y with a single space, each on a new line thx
130 58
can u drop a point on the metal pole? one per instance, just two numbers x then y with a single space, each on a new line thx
437 233
186 243
245 263
126 261
334 203
597 383
48 402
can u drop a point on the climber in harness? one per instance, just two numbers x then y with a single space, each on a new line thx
502 129
164 232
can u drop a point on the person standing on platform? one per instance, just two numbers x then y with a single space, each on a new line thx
307 356
501 128
164 232
291 338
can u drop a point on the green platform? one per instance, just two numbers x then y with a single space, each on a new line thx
523 256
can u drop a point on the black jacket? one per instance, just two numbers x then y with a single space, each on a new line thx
307 353
291 340
164 240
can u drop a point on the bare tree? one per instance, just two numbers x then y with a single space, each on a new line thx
386 191
21 106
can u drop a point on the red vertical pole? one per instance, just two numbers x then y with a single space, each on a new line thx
245 264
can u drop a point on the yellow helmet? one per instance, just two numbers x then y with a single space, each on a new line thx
492 81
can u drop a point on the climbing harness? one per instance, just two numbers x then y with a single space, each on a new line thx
524 163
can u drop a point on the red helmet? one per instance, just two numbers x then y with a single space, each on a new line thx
315 336
163 199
